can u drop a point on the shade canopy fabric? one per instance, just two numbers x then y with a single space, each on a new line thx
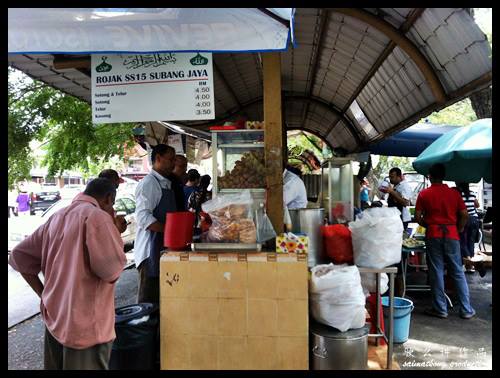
465 152
412 141
92 30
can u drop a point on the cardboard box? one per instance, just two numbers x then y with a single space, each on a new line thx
234 311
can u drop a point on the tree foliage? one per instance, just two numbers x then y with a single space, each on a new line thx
298 144
460 113
64 123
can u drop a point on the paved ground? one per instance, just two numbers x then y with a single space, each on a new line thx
452 343
434 343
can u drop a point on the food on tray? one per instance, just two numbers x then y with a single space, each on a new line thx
413 243
249 172
247 231
223 230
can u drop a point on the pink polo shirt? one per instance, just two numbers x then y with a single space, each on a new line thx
80 253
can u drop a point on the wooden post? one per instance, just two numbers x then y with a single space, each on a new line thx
273 144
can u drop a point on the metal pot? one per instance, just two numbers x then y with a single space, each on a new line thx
309 221
335 350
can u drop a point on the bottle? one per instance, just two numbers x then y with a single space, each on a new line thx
287 220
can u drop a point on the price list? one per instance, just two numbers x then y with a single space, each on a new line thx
203 100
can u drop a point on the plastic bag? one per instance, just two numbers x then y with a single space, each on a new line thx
369 283
377 237
336 296
337 242
265 229
231 218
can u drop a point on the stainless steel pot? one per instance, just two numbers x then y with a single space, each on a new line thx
309 222
335 350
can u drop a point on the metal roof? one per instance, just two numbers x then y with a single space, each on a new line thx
355 76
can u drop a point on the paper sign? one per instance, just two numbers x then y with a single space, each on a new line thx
152 87
176 142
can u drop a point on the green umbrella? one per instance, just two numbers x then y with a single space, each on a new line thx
465 152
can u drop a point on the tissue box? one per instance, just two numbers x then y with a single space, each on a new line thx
292 243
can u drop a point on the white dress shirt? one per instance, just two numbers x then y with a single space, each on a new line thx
294 191
147 196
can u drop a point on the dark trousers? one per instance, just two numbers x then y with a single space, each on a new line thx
59 357
469 236
149 287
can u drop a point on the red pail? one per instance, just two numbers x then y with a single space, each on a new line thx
178 230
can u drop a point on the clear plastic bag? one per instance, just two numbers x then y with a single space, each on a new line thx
232 220
265 229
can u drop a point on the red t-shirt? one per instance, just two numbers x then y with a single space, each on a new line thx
440 206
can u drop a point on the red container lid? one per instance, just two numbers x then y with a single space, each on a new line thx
222 127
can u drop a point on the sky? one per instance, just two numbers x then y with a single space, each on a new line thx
483 17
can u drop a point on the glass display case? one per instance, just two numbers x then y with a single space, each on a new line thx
238 161
337 190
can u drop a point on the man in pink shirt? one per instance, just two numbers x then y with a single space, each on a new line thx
80 253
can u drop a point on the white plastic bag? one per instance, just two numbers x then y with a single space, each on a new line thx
369 283
377 237
336 296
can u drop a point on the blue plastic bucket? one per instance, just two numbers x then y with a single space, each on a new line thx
402 316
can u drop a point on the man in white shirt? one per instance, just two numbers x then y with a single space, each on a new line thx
294 191
399 195
155 198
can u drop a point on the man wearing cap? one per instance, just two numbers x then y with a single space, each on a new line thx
80 253
115 178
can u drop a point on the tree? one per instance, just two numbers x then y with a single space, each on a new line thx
72 142
460 113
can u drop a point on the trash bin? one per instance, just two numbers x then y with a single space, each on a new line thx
402 316
135 346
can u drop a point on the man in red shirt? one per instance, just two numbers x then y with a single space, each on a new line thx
80 253
442 212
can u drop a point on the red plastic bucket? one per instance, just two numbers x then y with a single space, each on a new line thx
178 230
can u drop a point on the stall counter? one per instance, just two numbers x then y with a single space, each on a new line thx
234 311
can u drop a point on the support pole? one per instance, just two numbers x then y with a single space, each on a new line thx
273 134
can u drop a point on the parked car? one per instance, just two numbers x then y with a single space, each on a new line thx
127 187
43 198
21 228
70 191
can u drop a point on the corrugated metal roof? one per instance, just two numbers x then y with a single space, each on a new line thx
343 60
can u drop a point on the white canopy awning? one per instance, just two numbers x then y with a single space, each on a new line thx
98 30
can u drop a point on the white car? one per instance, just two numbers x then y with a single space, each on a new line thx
70 191
127 188
21 228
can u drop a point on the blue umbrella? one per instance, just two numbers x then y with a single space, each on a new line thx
465 152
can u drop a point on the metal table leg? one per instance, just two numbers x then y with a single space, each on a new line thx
377 295
391 320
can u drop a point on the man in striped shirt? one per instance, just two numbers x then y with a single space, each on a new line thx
470 234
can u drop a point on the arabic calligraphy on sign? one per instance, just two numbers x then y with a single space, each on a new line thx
148 60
